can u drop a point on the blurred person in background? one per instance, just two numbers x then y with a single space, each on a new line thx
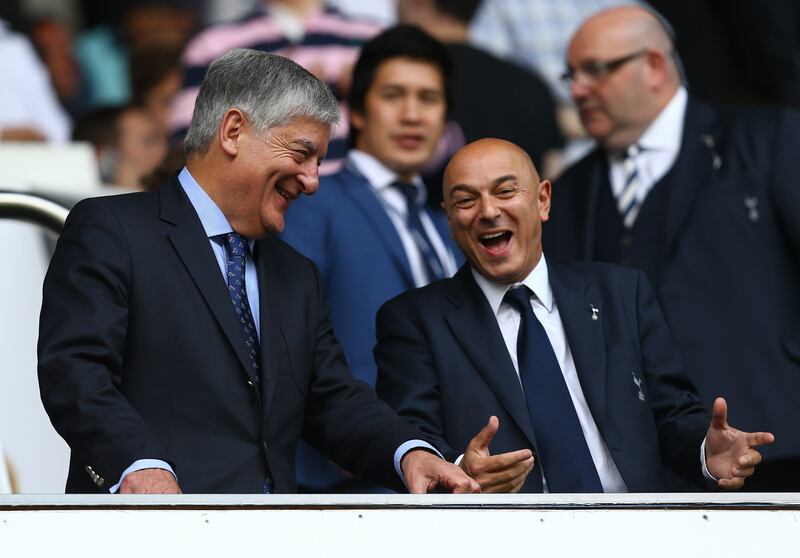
156 76
29 107
491 97
535 33
318 38
115 30
704 200
129 144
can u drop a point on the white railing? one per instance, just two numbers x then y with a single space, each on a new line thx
668 525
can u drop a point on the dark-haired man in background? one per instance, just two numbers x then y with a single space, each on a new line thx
369 230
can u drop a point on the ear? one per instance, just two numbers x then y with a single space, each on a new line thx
231 130
657 69
357 120
544 197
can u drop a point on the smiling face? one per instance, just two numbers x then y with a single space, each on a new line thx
403 115
495 207
269 170
617 107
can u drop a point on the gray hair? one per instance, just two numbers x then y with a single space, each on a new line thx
271 91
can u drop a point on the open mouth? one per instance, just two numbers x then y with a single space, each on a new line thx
286 195
409 141
495 243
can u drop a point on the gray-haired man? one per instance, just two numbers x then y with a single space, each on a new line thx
182 347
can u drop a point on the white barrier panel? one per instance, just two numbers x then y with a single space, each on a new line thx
447 526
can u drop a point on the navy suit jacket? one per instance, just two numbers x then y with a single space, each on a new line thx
141 356
729 266
444 367
345 230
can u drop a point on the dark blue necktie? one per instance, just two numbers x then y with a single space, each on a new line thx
236 250
561 447
432 263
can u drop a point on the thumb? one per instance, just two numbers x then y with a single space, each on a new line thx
481 441
719 414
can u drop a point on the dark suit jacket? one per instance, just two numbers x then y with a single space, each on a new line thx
729 265
443 365
140 356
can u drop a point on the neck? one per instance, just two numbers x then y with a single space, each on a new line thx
301 8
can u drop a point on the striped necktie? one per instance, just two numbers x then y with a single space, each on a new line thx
628 202
430 260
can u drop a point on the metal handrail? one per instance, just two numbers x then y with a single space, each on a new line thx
33 209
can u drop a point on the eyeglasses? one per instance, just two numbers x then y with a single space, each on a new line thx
595 70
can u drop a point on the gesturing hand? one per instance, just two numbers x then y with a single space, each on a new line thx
425 472
504 472
730 453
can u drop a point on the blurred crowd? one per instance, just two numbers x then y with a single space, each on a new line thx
122 75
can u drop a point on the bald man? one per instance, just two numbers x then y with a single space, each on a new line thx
572 363
704 200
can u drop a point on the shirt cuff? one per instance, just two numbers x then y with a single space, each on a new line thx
407 447
140 464
458 460
706 473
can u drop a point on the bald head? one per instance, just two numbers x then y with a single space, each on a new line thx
633 26
472 157
624 73
495 206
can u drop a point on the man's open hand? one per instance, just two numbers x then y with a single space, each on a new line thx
731 456
504 472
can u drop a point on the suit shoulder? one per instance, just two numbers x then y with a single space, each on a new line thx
575 174
603 272
423 297
118 206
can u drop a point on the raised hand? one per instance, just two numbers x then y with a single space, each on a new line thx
504 472
731 456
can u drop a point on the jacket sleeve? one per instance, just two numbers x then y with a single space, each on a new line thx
82 344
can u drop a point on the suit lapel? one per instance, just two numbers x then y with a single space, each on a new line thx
694 168
575 300
597 180
364 198
190 242
471 319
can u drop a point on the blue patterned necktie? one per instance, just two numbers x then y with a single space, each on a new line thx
236 250
433 265
561 446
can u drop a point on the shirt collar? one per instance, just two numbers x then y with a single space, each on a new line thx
537 281
378 175
211 216
664 133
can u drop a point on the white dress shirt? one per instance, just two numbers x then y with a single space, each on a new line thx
659 145
546 311
380 179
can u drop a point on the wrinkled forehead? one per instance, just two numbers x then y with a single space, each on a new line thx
484 168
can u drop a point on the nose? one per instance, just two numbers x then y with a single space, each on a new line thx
579 86
309 179
488 209
411 109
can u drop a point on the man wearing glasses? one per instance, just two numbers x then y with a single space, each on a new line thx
704 200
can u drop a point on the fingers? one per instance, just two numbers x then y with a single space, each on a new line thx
509 479
481 441
759 438
719 413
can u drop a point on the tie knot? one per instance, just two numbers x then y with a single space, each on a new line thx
409 191
234 244
519 298
632 152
